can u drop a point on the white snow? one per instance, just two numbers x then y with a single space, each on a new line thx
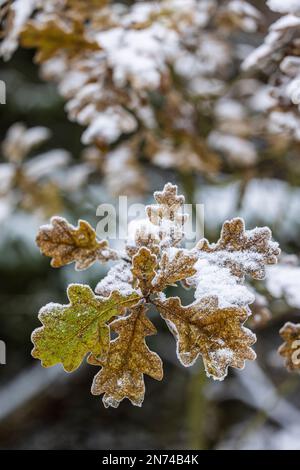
19 140
109 125
238 150
22 10
283 280
285 122
214 280
119 278
284 6
46 163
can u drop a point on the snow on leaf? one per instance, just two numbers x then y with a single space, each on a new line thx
109 125
18 14
242 251
19 141
283 280
144 265
203 328
288 6
168 215
142 233
218 281
66 244
70 331
128 359
119 278
31 184
174 267
290 349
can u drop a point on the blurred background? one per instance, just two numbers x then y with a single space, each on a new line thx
247 167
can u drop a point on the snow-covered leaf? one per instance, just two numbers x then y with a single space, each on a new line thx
66 244
217 334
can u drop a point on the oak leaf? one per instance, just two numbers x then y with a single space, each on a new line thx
290 349
216 333
71 331
66 244
174 268
51 36
242 251
128 360
168 214
144 264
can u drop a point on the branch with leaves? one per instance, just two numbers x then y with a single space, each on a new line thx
111 326
123 70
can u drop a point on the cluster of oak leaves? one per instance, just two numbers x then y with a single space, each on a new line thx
123 70
212 326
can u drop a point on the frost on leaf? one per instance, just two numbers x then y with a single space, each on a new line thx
217 334
142 233
119 278
129 358
71 331
174 267
242 251
168 215
290 349
66 244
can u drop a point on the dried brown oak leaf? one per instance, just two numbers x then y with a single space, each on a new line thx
128 360
71 331
144 264
168 214
290 349
242 251
216 333
174 268
66 244
52 36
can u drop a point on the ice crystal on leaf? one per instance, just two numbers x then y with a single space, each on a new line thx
211 327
